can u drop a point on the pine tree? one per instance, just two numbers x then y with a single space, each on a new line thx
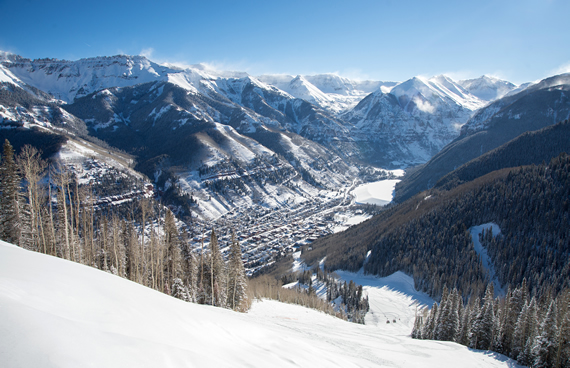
481 335
10 226
189 268
462 336
237 281
179 290
525 356
563 338
429 325
217 273
563 349
514 304
418 323
520 332
544 349
448 320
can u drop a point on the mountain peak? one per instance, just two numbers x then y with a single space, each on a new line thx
6 56
487 88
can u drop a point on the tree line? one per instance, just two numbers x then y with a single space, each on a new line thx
533 331
44 208
348 298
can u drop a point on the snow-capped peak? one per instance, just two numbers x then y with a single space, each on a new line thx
67 80
434 91
6 56
302 88
487 88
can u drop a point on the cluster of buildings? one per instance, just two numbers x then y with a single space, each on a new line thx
268 234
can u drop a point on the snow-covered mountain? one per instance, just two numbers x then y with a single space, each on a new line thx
535 107
412 122
487 88
67 80
322 127
328 91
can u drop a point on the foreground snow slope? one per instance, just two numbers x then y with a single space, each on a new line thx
57 313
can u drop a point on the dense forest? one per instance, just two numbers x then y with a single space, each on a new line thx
428 236
527 149
531 207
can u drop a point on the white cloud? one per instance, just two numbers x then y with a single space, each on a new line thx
147 52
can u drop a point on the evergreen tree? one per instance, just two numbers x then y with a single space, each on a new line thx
448 320
217 273
429 326
179 290
189 268
545 347
520 333
525 357
481 335
563 349
237 281
514 304
10 226
462 336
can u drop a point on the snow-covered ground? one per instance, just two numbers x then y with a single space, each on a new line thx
57 313
391 298
379 193
476 231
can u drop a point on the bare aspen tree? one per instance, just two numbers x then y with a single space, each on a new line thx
62 180
53 238
117 251
72 239
32 167
144 208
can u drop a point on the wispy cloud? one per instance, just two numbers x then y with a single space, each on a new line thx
354 74
464 74
147 52
564 68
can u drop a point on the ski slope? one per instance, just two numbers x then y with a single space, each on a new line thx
56 313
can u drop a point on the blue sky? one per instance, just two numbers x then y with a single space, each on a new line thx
520 41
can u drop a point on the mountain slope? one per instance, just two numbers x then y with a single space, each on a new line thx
428 235
536 107
330 110
61 314
487 88
67 80
328 91
527 149
412 122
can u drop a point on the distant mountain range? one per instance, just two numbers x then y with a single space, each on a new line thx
325 127
537 106
386 123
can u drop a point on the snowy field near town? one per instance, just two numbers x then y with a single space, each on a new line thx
56 313
379 193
